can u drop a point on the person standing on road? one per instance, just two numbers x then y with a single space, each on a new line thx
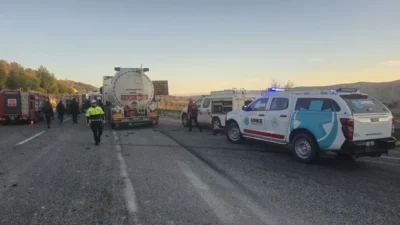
101 105
74 109
48 111
60 111
192 111
95 117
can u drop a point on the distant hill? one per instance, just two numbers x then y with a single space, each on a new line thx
384 91
79 87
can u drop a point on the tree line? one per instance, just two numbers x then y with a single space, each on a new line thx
15 76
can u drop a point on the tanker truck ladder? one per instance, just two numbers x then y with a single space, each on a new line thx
139 84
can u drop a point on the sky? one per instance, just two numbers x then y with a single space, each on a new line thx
199 46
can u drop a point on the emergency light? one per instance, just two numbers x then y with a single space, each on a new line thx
345 90
275 89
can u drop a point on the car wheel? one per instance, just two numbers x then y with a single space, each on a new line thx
233 133
304 148
184 120
216 123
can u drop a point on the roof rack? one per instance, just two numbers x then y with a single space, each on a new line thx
228 92
298 91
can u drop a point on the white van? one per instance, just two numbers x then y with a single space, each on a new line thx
345 121
214 107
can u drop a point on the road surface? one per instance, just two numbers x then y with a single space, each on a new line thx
166 175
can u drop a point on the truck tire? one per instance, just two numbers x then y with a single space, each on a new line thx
233 133
216 123
304 148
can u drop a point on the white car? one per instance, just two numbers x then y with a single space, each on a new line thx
345 121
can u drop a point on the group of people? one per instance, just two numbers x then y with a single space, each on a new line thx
60 109
94 115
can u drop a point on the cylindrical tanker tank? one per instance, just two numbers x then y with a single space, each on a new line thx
131 88
129 94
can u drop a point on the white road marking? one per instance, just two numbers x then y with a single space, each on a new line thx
129 192
216 204
66 120
389 157
28 139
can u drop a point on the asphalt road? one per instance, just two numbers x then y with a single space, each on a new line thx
167 175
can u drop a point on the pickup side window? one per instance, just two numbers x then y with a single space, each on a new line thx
206 103
317 105
221 106
258 105
279 104
198 103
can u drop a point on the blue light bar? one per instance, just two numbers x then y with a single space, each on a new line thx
275 89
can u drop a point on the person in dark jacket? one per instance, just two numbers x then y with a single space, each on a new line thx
60 111
74 109
100 103
192 111
48 112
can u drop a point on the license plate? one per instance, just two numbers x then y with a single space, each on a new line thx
12 118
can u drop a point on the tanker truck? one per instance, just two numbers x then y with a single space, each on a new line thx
128 98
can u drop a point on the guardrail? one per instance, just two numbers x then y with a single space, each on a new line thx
176 114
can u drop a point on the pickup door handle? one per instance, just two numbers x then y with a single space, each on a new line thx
261 115
283 116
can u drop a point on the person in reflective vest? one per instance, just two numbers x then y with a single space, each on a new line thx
95 117
192 111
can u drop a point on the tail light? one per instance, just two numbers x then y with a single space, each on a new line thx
347 128
393 124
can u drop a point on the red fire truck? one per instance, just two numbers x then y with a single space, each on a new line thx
20 106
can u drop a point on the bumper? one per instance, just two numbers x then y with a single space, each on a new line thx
13 118
364 148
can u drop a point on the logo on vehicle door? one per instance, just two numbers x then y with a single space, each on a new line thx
246 121
256 121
